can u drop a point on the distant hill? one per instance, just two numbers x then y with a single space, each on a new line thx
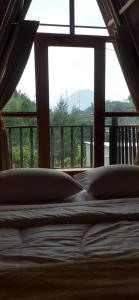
81 99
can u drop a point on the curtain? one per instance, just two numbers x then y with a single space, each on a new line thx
11 69
127 45
11 11
5 162
129 62
18 57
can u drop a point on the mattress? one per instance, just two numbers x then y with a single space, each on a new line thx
70 250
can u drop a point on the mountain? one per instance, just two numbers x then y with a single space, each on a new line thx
81 99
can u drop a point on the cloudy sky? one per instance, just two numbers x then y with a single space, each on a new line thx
72 69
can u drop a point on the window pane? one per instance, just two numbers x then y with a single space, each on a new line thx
87 13
116 87
91 31
71 75
53 29
50 12
26 84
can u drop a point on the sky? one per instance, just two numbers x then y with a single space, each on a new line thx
72 69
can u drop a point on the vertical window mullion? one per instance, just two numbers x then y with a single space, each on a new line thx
42 101
72 17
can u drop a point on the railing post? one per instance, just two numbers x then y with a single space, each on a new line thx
113 142
72 144
31 147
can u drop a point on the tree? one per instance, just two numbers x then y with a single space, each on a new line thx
60 114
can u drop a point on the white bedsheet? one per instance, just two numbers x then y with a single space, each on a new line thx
69 231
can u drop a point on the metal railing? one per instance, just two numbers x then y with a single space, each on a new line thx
22 141
68 148
72 146
124 144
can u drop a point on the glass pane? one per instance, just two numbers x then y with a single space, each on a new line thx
50 12
53 29
91 31
117 92
71 75
88 13
26 86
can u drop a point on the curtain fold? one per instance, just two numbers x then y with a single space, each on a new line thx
11 11
129 62
11 69
5 162
127 45
18 57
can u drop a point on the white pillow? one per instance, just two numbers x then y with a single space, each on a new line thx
114 181
35 185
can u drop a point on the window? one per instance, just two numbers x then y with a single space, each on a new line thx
71 90
70 57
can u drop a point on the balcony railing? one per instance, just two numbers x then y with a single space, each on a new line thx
72 146
22 141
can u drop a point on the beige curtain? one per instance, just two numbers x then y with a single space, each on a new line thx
5 162
11 11
16 59
127 52
129 62
11 68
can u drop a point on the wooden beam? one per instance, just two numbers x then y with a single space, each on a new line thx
19 114
67 40
113 12
122 114
122 10
42 102
99 104
111 22
126 6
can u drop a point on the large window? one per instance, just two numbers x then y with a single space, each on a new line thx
70 86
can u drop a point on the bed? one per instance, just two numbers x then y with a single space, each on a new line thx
79 248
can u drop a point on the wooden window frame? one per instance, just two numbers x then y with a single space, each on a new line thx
42 42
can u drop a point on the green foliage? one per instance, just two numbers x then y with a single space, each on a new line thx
19 102
26 157
60 114
60 117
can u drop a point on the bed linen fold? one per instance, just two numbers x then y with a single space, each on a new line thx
78 212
